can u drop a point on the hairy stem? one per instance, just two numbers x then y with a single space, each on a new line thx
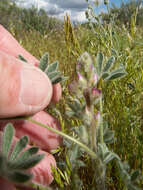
88 150
101 122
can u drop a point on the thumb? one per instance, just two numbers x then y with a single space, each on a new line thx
25 89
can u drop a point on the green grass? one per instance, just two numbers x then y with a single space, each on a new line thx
123 99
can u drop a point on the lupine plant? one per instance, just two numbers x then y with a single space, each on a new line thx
91 136
90 140
86 105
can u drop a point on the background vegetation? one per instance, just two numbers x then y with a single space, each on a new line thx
123 99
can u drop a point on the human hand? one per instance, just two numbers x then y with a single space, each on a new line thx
26 90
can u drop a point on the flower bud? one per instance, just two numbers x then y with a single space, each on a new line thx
81 80
85 65
94 79
96 93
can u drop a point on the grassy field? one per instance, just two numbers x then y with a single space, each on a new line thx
123 99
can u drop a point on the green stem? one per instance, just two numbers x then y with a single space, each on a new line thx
101 122
89 151
93 131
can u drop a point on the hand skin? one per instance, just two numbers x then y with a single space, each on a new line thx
26 90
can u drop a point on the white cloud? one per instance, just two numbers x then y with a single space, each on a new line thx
58 8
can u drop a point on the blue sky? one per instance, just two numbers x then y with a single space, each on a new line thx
117 2
102 7
74 8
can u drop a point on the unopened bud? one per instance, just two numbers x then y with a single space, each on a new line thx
82 80
96 93
94 79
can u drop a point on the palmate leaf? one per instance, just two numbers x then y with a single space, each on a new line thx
108 136
7 139
19 176
44 61
56 80
109 64
105 154
118 73
13 164
53 75
52 67
27 163
109 156
105 75
20 145
27 154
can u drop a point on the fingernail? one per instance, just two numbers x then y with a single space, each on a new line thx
36 88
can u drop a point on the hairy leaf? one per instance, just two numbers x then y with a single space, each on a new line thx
109 64
116 76
19 177
7 139
28 153
44 61
99 62
28 163
20 145
56 80
105 75
53 75
52 67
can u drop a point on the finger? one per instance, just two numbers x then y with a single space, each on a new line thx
42 172
9 45
57 93
25 89
38 135
6 185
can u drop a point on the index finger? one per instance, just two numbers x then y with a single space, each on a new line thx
9 45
